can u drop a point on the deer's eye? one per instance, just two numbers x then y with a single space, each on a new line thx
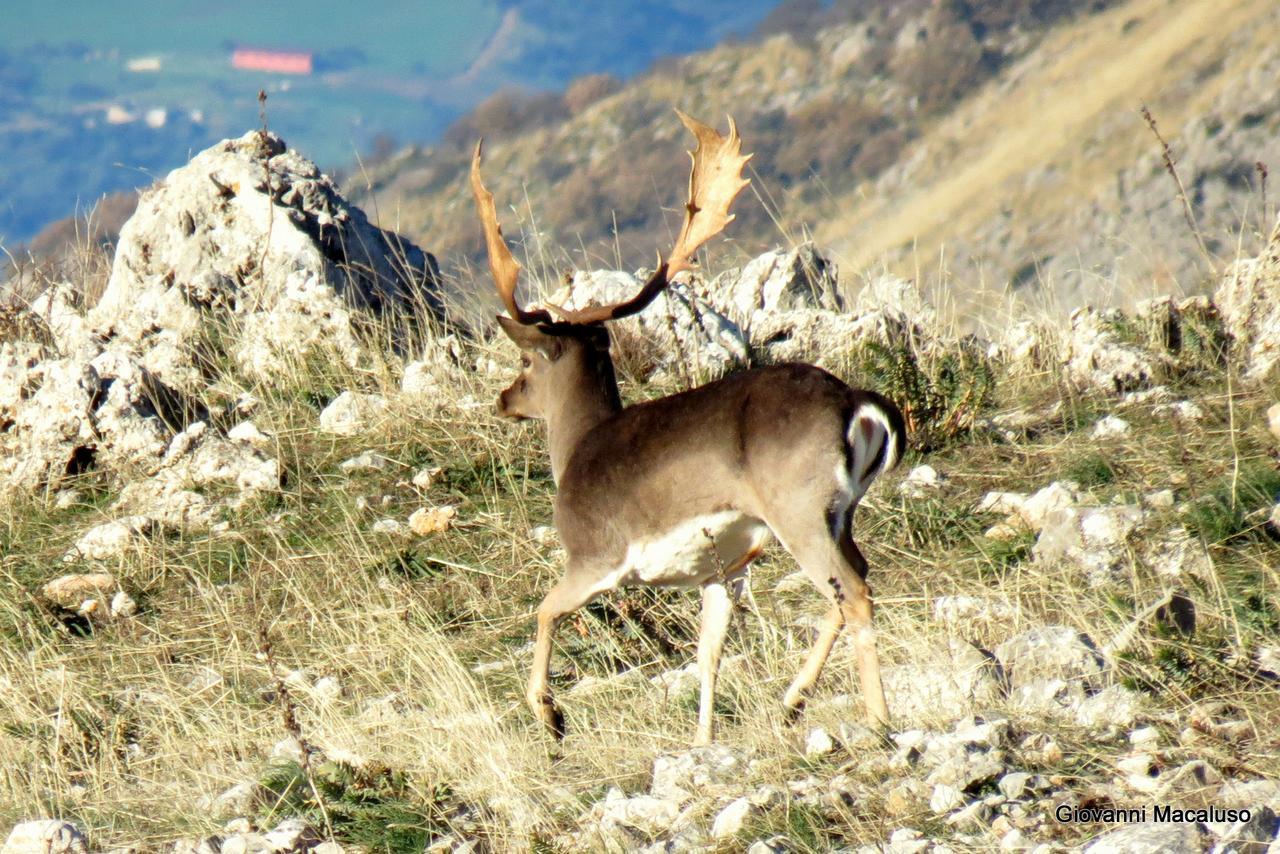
525 361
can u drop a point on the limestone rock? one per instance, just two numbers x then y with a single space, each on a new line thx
71 590
252 237
677 776
1150 838
1096 357
1109 427
112 539
950 682
432 520
782 280
965 611
680 331
1176 553
1249 299
45 836
351 412
1051 652
1093 541
730 820
619 818
1113 706
922 481
1273 420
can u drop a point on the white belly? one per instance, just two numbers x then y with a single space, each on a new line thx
694 551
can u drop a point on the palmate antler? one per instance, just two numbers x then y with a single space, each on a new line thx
714 182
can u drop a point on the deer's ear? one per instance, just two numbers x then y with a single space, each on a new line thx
531 338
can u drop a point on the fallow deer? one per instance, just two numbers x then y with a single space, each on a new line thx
685 490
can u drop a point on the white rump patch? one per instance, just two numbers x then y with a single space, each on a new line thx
866 446
683 556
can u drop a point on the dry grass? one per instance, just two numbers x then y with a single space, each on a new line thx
133 728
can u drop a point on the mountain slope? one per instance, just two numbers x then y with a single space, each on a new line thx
921 137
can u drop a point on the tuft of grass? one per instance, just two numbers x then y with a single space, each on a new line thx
1229 510
376 807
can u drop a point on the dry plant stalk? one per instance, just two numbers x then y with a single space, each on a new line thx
1170 166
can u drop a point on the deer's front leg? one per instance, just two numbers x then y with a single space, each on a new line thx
564 598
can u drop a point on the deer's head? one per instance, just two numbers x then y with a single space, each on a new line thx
557 354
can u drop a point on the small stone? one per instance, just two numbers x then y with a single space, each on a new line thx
432 520
905 840
1004 532
772 845
70 592
1182 410
945 798
364 461
248 432
1110 427
1014 785
292 835
1273 420
922 481
390 528
112 539
906 797
818 743
123 605
1161 499
66 499
1149 838
240 799
1144 737
730 820
349 413
425 477
543 535
1014 840
1004 503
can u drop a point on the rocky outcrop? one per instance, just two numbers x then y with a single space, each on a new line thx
783 280
249 253
1249 299
679 333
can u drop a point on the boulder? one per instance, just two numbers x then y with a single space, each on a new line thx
250 252
782 280
681 332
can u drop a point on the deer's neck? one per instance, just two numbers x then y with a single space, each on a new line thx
589 399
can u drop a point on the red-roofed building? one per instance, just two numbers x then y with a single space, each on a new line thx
275 61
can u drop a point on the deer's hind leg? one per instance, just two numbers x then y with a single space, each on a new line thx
829 557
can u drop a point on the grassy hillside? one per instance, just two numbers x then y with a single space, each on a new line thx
398 659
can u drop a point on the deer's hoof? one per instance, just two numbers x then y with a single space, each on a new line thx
791 712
